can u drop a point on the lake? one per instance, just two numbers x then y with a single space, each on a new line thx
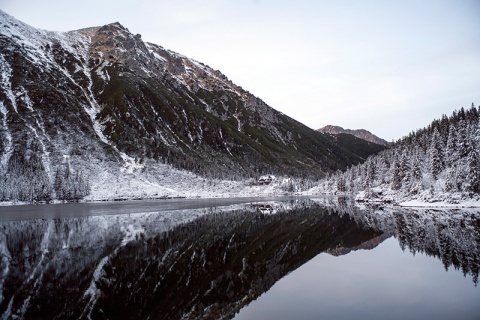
240 258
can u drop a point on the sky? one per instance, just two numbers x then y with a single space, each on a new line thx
390 67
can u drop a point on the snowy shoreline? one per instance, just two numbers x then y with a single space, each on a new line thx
276 193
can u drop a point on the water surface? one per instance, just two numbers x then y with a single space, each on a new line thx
245 258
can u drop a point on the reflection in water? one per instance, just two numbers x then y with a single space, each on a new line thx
452 235
202 263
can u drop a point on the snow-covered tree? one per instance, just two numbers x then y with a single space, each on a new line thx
435 155
397 176
472 180
444 156
69 185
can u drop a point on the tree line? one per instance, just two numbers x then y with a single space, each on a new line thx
439 162
26 179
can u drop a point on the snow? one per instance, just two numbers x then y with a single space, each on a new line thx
441 204
164 181
130 164
92 290
135 179
5 85
8 136
101 72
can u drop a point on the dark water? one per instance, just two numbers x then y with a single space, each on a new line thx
289 258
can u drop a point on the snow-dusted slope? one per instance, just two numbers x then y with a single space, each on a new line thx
438 165
99 105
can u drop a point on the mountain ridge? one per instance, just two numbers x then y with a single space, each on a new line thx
359 133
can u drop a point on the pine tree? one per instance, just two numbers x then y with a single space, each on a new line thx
415 173
435 155
451 180
462 139
369 174
351 180
397 178
472 180
341 183
451 154
405 170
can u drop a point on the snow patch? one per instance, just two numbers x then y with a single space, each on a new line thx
129 164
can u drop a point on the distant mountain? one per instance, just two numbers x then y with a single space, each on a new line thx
98 108
359 146
359 133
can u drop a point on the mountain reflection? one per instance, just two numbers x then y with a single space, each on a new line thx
158 266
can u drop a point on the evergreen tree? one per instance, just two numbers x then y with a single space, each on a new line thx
351 180
435 155
405 169
369 174
462 139
472 181
341 183
397 178
416 173
69 185
451 154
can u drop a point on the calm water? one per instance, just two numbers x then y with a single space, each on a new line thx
271 258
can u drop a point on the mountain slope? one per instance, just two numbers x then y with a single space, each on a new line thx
101 102
359 133
360 147
437 164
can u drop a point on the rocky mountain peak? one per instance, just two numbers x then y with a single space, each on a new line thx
359 133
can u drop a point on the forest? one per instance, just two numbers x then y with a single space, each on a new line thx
437 163
28 180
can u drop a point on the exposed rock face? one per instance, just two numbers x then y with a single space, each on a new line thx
359 133
107 101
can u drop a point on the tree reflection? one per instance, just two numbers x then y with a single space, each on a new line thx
451 235
152 266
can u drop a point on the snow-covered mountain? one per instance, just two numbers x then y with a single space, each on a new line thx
359 133
98 109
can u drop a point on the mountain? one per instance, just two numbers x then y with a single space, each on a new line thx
359 133
99 108
360 147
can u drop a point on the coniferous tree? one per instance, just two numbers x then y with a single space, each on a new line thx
462 139
341 183
416 173
369 174
451 154
351 181
435 155
70 186
397 178
445 154
472 181
405 169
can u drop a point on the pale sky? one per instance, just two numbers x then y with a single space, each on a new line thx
386 66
